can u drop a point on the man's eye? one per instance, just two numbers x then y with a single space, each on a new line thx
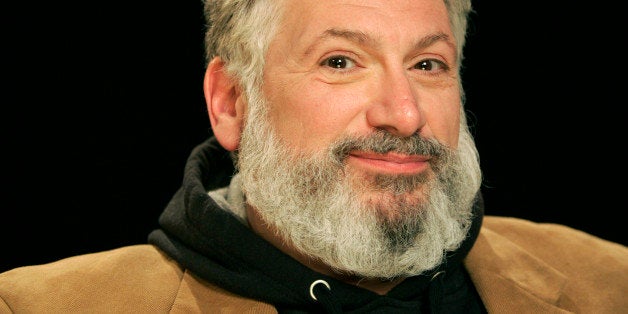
338 62
430 65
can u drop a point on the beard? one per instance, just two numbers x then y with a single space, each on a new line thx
361 224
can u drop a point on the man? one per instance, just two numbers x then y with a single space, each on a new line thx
341 178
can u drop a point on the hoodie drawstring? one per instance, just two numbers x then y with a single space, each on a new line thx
320 291
436 291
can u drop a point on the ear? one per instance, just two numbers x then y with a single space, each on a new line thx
224 105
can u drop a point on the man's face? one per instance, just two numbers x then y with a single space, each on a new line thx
350 151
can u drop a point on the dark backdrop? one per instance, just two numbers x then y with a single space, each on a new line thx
102 103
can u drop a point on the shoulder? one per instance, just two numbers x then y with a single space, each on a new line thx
531 234
133 261
139 275
552 262
559 245
138 278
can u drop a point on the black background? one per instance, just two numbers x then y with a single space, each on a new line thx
102 103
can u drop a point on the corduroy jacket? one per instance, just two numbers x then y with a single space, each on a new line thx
517 266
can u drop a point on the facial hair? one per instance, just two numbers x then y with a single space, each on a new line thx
368 225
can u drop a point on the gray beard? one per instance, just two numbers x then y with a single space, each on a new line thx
372 226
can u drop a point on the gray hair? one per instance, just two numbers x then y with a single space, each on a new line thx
240 31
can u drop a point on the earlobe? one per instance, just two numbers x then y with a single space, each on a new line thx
224 105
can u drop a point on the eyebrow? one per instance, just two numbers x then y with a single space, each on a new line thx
353 36
433 38
350 35
365 39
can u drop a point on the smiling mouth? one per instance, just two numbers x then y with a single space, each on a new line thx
389 163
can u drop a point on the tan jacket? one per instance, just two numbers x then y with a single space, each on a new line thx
517 266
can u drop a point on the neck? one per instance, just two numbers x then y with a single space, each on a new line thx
270 234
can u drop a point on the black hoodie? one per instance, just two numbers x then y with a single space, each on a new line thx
217 246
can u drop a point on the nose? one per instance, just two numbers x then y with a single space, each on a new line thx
395 107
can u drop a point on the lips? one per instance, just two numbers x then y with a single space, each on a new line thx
391 163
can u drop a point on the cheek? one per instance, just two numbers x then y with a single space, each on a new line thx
444 120
310 118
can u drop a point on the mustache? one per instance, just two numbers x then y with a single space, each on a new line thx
382 142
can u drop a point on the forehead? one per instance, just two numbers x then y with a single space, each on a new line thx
376 17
